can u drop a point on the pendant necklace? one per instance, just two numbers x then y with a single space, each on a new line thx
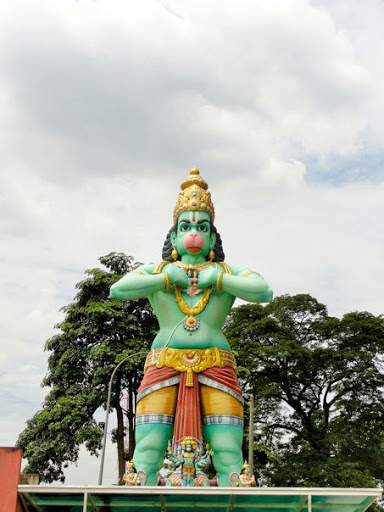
190 322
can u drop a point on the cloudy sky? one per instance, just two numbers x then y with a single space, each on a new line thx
107 104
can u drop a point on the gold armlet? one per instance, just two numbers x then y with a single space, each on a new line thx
226 268
249 273
219 282
167 281
160 267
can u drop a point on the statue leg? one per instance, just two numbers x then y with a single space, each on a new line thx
223 429
154 427
226 442
151 443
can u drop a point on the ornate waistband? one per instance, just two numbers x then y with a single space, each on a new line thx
190 359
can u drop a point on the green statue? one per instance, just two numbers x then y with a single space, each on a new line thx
190 386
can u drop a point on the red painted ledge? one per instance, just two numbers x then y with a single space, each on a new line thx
10 461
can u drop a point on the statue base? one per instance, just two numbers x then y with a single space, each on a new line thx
191 499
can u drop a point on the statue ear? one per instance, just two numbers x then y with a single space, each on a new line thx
173 238
213 240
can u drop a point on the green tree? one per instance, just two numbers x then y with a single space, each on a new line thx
96 334
318 383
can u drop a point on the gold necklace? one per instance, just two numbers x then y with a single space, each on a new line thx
190 322
188 266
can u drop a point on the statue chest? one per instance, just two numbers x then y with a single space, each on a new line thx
189 458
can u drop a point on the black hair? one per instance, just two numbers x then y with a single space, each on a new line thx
217 249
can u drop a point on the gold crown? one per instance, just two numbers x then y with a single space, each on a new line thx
245 465
194 196
189 440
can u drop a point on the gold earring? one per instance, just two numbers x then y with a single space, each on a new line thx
174 253
211 255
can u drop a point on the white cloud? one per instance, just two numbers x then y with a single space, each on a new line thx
120 88
279 174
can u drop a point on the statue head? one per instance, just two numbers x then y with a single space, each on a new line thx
131 467
188 444
193 231
246 470
193 234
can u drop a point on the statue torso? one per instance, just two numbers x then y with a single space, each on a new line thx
212 318
189 458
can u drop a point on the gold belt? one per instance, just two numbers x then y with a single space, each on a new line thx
190 360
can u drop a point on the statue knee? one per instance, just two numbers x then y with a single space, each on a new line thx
147 456
226 442
151 443
225 456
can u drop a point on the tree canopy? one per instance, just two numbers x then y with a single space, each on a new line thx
318 384
96 334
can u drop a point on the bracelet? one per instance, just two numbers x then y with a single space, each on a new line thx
219 282
167 281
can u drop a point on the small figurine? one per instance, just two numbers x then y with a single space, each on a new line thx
246 479
130 477
188 457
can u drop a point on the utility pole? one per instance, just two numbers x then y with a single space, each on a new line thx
251 434
101 471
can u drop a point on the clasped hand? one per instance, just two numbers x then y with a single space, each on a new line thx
177 276
207 277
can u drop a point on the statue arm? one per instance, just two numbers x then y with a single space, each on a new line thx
175 459
247 285
138 283
241 282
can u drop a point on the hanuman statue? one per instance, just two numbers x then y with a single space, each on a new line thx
190 386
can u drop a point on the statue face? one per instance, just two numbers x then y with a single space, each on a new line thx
188 448
193 234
